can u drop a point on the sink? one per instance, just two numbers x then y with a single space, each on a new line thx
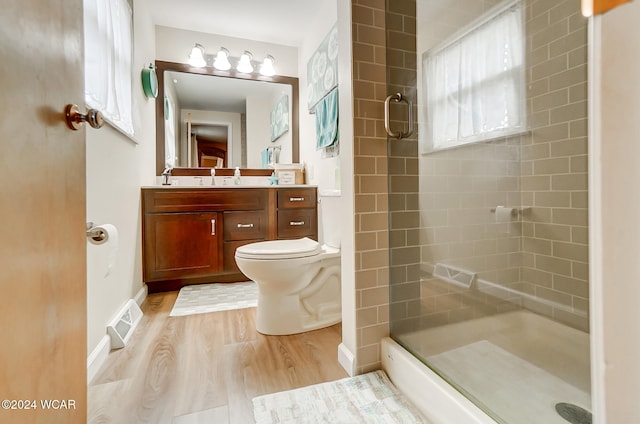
205 182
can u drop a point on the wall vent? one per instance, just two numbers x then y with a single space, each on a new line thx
458 276
123 325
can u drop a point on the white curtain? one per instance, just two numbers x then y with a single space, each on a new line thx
108 56
474 85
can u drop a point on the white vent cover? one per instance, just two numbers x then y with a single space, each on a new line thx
121 328
458 276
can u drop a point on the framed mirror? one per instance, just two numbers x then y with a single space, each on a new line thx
211 126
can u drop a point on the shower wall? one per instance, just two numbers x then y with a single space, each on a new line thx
404 171
554 163
539 258
370 181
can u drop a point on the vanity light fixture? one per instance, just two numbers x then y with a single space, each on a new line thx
196 58
221 62
244 65
266 68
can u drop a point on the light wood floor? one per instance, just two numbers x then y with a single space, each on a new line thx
205 368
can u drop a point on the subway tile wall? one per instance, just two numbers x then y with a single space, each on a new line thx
437 208
370 181
539 259
554 163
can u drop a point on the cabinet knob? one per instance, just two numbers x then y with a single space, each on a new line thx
245 225
296 199
296 223
213 227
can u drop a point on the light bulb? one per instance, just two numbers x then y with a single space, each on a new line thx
196 58
266 68
244 65
221 61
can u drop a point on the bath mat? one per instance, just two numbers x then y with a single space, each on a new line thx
512 388
203 298
367 398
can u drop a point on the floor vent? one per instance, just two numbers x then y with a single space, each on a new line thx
121 328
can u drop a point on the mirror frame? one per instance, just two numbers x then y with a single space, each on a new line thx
162 66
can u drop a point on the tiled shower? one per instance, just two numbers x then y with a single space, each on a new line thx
488 241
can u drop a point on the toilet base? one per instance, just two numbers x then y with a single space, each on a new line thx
282 315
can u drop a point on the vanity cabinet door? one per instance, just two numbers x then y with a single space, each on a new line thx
179 245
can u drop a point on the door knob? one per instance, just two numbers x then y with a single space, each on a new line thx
75 119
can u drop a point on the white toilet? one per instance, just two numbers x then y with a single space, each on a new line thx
298 280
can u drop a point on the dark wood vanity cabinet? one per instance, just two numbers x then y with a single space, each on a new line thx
190 235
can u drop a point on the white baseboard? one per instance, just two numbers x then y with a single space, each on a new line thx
97 357
141 295
346 359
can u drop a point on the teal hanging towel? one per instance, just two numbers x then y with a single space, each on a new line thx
264 155
327 120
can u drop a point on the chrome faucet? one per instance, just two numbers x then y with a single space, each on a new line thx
166 176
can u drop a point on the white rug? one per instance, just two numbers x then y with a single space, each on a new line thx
367 398
203 298
511 388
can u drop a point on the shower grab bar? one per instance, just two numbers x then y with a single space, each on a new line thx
398 98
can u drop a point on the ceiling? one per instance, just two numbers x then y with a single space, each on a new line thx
273 21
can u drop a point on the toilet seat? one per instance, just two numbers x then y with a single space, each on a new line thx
280 249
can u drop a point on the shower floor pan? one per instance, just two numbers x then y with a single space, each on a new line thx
517 365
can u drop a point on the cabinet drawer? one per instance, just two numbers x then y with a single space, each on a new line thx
294 223
245 225
296 198
189 200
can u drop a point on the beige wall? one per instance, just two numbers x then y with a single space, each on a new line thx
320 170
615 207
174 45
116 168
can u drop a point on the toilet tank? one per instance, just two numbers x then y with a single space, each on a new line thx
330 210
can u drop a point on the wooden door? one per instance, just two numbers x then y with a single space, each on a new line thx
43 353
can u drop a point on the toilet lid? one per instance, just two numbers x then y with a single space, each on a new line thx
279 249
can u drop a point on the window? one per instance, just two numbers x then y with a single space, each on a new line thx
474 84
108 57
